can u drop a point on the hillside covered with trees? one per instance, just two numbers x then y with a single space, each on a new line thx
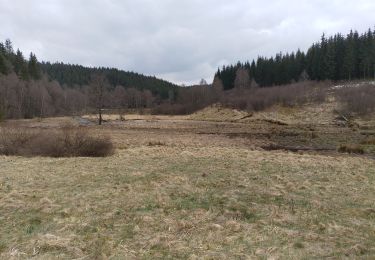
29 88
72 75
335 58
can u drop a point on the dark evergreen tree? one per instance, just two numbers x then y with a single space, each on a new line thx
8 47
328 65
33 67
3 65
349 58
335 58
76 75
18 62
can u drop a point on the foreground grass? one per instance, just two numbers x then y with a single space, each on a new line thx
161 202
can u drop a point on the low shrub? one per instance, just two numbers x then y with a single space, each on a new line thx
14 140
65 142
359 100
288 96
192 99
156 143
351 148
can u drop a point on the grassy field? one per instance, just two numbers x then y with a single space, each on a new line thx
193 189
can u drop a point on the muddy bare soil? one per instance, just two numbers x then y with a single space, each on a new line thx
256 134
321 139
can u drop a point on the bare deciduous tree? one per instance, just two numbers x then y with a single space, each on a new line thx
148 98
242 80
97 92
217 89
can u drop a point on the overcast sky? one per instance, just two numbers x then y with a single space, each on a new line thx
178 40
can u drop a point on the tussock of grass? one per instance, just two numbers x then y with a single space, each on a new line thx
156 143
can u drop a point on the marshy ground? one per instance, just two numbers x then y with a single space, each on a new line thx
193 187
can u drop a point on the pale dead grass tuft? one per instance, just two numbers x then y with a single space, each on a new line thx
218 113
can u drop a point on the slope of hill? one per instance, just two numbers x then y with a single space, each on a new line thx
335 58
72 75
217 113
67 74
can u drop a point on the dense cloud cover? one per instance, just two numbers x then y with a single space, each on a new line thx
181 41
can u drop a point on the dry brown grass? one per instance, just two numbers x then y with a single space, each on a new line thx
317 114
218 113
200 195
369 141
351 148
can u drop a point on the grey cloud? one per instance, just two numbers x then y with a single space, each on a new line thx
181 41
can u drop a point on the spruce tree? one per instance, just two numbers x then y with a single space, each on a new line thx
19 62
328 62
335 58
3 65
33 67
8 47
349 57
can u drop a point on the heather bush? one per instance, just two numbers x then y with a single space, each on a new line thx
65 142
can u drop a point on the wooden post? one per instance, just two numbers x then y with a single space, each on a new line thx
100 116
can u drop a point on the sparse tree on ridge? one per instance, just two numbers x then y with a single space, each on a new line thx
3 65
203 82
8 47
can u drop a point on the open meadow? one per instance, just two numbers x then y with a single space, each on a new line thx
169 130
219 184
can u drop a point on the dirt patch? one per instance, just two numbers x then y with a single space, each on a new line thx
274 147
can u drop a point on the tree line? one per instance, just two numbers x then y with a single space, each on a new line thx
77 75
45 98
29 88
335 58
14 61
